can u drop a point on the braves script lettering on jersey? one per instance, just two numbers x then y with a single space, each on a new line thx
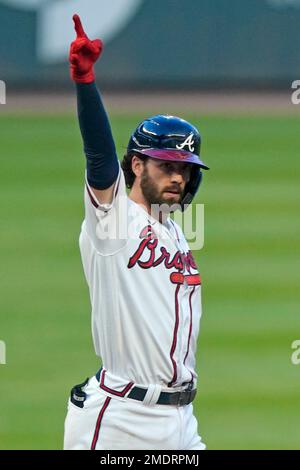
145 297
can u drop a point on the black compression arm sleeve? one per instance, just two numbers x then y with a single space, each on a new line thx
99 148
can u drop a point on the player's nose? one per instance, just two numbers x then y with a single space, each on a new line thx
177 178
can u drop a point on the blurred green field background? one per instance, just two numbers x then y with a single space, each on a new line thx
249 390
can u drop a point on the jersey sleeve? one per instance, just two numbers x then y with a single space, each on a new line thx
106 224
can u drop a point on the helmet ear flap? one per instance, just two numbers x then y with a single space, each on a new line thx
191 187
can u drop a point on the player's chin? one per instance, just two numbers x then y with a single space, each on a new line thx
170 198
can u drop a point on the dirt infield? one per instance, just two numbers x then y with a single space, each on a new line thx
277 103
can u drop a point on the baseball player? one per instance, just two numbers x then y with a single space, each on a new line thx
143 281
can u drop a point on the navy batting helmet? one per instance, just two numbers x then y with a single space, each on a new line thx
174 139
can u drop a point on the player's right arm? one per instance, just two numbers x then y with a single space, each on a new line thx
101 159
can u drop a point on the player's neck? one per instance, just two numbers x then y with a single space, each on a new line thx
137 196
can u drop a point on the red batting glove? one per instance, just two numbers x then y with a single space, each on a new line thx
83 54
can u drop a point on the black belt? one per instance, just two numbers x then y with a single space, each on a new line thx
185 397
166 398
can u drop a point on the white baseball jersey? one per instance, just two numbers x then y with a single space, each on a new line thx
144 290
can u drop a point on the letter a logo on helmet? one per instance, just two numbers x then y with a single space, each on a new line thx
189 142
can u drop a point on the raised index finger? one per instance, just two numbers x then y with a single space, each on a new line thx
78 27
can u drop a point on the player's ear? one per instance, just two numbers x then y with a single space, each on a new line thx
137 165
